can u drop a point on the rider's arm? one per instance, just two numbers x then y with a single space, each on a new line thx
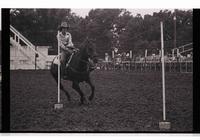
70 44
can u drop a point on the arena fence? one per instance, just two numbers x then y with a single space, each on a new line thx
148 66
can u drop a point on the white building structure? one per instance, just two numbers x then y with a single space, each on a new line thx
24 55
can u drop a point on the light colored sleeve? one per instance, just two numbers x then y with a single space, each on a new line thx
70 44
60 43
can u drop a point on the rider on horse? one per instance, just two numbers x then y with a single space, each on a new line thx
67 48
65 43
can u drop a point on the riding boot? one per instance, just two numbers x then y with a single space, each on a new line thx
63 70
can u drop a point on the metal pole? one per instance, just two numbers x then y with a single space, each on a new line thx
163 72
58 74
58 105
174 29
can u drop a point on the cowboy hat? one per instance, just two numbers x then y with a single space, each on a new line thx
63 25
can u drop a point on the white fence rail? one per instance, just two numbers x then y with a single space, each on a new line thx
18 36
25 47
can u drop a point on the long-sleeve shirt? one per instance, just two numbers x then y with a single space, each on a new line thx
65 41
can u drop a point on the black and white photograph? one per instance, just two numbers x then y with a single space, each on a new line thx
101 70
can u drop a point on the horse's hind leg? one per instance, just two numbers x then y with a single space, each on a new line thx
76 86
92 88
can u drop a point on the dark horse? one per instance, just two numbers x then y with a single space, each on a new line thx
78 69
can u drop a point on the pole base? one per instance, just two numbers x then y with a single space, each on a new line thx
58 106
164 125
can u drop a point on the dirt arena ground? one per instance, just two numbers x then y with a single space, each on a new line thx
124 101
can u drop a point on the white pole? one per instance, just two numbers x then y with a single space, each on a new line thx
58 73
113 54
131 55
164 124
159 53
177 53
163 71
145 53
58 105
173 53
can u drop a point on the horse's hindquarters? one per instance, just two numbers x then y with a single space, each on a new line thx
54 69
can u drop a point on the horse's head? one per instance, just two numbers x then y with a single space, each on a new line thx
90 50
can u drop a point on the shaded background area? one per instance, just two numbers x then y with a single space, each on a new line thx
108 28
123 102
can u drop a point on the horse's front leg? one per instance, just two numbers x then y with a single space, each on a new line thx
92 88
55 76
66 92
76 86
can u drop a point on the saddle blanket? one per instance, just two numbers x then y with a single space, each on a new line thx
55 61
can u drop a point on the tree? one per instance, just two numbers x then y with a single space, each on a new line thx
108 28
100 27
